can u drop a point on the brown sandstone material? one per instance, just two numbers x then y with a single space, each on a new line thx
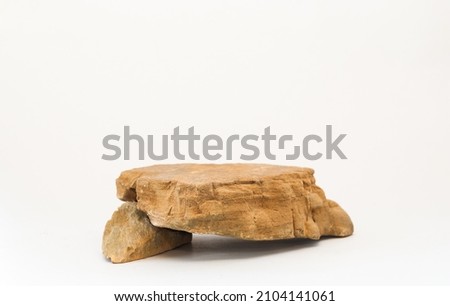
249 201
129 236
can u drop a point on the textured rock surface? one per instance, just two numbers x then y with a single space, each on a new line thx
249 201
129 236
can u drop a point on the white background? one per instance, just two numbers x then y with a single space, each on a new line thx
72 72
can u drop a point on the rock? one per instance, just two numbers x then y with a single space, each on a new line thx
249 201
129 236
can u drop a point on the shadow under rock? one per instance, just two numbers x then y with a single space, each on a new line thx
211 247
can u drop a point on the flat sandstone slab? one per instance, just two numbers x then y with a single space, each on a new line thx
249 201
129 236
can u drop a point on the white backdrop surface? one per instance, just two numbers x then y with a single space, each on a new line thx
72 72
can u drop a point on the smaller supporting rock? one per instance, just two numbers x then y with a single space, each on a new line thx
129 236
